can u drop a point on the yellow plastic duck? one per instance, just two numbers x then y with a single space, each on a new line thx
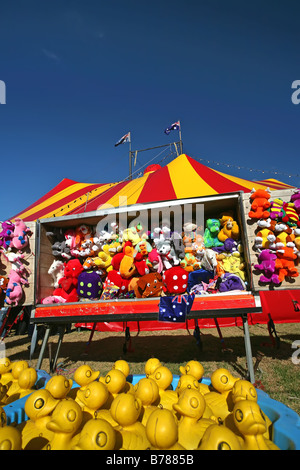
219 399
115 381
190 382
196 369
164 377
38 408
26 382
251 424
64 423
10 438
152 364
124 367
3 396
59 386
191 426
96 434
162 431
93 397
3 418
6 376
146 389
219 437
130 433
16 369
83 376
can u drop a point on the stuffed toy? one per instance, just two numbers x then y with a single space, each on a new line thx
276 209
229 246
177 242
198 277
190 262
285 263
6 234
131 234
291 216
53 299
189 235
141 265
154 261
149 285
234 264
15 259
114 285
89 285
209 260
114 248
266 259
143 247
295 199
260 204
60 248
103 260
265 239
68 284
166 251
284 236
297 240
82 232
175 280
14 290
3 284
89 248
56 270
229 228
70 239
229 282
211 232
20 234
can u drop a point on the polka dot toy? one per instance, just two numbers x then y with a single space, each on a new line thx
175 280
89 285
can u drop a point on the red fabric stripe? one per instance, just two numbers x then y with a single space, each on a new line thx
158 187
218 182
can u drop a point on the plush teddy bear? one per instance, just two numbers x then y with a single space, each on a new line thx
14 290
260 204
104 258
211 232
265 239
190 262
229 228
20 234
285 263
234 264
68 284
175 280
266 259
284 236
6 234
149 285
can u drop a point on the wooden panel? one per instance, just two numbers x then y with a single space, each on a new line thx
251 231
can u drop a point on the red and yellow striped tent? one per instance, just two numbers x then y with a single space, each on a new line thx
183 177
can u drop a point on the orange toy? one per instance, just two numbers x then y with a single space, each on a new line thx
285 263
260 204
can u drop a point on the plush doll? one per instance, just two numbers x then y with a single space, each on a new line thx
229 228
295 199
56 270
143 247
53 299
3 284
68 284
82 232
114 285
209 260
235 264
14 290
284 236
260 204
276 209
189 235
265 239
104 258
131 234
229 246
60 248
211 232
149 285
266 259
15 259
291 216
297 240
285 263
155 261
166 251
20 234
6 234
229 282
190 262
89 285
175 280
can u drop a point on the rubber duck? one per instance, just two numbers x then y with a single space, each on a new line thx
146 389
59 386
64 423
93 397
152 364
251 424
130 433
162 431
191 426
10 438
5 371
190 382
219 399
83 376
96 434
26 382
196 369
3 418
16 369
164 377
219 437
123 366
115 381
38 408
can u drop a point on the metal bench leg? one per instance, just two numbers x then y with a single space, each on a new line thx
248 349
43 347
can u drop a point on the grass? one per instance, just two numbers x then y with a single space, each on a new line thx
275 371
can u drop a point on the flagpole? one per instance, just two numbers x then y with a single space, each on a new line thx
180 138
130 158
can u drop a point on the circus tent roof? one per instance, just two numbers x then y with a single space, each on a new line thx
183 177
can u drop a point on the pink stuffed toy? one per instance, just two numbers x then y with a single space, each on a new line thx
175 280
53 299
20 235
295 198
6 234
267 266
68 284
14 291
155 261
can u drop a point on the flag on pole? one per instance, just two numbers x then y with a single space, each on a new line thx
174 127
123 140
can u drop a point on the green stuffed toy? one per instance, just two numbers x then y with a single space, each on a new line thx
211 232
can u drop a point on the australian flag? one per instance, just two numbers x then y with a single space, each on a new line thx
125 138
173 127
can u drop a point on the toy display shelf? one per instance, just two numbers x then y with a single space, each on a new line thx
286 422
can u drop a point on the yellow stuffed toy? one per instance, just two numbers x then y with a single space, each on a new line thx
229 228
103 260
234 264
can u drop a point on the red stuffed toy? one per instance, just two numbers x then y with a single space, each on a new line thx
260 204
68 283
175 280
285 263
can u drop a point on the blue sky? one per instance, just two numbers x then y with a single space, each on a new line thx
80 74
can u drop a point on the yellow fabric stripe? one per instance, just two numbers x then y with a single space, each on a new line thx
186 181
246 183
128 195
